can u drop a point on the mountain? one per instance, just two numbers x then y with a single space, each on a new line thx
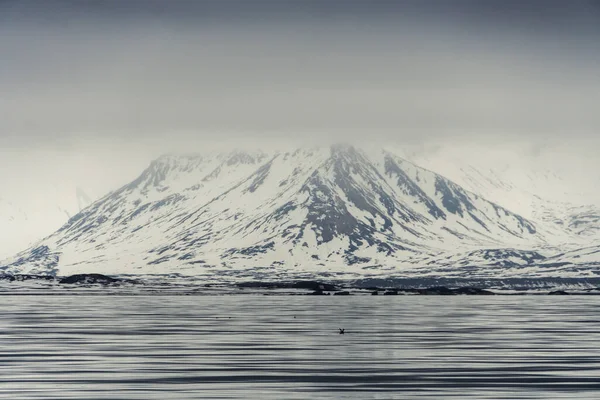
338 211
557 190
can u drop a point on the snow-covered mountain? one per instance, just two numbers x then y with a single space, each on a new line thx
560 192
338 211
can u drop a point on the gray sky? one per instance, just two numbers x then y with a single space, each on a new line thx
121 81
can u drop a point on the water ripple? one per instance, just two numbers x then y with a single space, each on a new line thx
288 347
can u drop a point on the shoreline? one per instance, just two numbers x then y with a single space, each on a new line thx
95 283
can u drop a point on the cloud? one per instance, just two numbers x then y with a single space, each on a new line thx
150 74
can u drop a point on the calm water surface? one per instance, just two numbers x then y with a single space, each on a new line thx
288 347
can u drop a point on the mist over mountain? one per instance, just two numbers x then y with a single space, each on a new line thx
25 220
340 210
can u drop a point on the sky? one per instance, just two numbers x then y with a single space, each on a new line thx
91 91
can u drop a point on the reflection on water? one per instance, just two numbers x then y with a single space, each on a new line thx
288 347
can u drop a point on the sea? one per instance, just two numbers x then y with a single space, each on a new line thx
256 346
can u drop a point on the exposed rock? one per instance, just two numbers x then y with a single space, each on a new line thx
343 293
6 277
90 279
390 293
437 290
311 285
472 291
445 291
25 277
262 285
559 293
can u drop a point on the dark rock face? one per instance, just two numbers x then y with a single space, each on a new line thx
390 293
252 250
437 290
559 293
411 187
342 293
90 279
310 285
25 277
445 291
472 291
5 277
261 285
